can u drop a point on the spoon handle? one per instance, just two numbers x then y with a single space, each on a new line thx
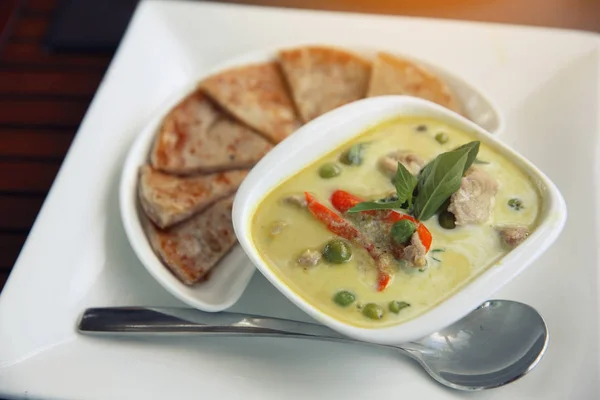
166 320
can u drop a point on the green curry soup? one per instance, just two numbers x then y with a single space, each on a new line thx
343 282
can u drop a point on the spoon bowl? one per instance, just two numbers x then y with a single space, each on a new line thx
495 344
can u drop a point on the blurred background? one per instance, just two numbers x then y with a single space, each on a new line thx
54 53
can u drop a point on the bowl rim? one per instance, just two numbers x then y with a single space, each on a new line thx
356 118
197 296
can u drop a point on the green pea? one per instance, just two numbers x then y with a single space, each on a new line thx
515 203
337 251
441 138
354 155
344 298
446 220
372 311
395 306
403 230
329 170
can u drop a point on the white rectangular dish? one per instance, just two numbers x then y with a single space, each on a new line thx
546 82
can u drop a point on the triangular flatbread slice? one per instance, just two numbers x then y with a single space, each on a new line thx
324 78
191 249
198 137
394 75
255 94
169 199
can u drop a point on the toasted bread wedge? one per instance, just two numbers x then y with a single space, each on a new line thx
324 78
194 247
197 137
255 94
394 75
169 199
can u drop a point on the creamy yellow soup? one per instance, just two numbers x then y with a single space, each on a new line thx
456 256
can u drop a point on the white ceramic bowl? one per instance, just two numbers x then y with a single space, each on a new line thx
330 131
228 281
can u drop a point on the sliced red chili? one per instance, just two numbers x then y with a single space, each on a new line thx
343 201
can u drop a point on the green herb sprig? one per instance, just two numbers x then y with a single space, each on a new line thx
438 180
404 182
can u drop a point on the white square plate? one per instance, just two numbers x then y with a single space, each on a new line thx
547 83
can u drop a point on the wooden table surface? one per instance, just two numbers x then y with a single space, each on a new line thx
44 96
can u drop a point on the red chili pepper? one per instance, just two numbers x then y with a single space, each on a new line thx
334 222
343 228
343 201
383 280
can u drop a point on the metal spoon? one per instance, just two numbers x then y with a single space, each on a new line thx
496 344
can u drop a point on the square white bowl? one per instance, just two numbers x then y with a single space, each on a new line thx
330 131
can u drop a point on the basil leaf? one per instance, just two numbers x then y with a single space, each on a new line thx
354 155
376 205
473 149
441 178
405 183
478 161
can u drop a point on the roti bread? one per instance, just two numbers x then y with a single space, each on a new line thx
394 75
324 78
169 199
191 249
198 137
256 95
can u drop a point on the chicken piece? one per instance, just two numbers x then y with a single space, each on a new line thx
415 252
472 203
309 258
297 200
412 162
513 236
